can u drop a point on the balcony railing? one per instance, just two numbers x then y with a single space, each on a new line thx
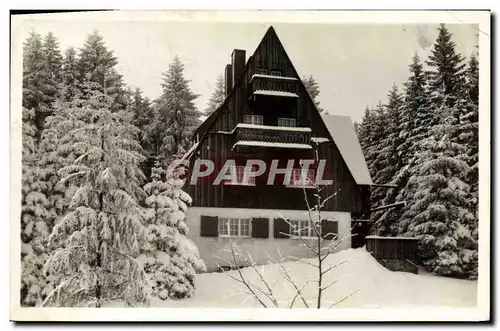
273 134
288 85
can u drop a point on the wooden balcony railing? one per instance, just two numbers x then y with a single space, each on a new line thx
273 83
273 134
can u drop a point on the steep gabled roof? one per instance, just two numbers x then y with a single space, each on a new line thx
343 134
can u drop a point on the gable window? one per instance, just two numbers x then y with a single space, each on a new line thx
234 227
240 171
302 228
261 71
296 179
253 119
290 122
275 73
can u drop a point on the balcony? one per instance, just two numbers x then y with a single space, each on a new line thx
272 136
274 86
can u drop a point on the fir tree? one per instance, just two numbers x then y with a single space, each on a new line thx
176 115
53 57
388 160
142 115
97 241
415 120
98 65
37 88
69 75
170 258
312 88
217 98
446 71
439 214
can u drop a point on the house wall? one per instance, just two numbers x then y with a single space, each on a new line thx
214 250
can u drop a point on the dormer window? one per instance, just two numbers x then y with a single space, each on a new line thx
253 119
261 71
288 122
275 73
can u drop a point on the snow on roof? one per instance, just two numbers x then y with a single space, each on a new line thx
271 144
271 127
343 134
272 77
277 93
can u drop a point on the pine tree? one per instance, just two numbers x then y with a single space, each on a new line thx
312 88
170 258
176 115
96 243
217 98
142 115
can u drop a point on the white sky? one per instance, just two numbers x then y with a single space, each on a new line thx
355 65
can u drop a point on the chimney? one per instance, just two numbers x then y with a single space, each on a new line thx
229 79
238 64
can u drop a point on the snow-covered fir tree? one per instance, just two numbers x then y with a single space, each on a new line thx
143 114
98 64
38 90
388 161
53 57
416 119
439 213
312 88
469 132
375 144
176 116
69 75
217 97
96 243
170 259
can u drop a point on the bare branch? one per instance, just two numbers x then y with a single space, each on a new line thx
344 298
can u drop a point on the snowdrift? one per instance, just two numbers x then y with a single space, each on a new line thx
360 282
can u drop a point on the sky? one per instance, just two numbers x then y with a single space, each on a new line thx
355 65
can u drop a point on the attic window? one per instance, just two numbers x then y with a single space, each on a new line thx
275 73
261 71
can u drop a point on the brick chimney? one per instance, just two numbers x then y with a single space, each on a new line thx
229 79
238 64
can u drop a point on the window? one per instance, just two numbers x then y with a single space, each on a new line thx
290 122
261 71
240 171
302 228
234 227
253 119
297 181
275 73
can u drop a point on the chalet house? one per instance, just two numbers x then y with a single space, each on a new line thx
268 115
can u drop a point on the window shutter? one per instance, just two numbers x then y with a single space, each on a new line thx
281 227
209 226
260 227
329 227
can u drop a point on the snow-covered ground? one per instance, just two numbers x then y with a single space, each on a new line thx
374 286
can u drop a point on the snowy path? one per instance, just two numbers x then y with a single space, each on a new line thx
378 287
